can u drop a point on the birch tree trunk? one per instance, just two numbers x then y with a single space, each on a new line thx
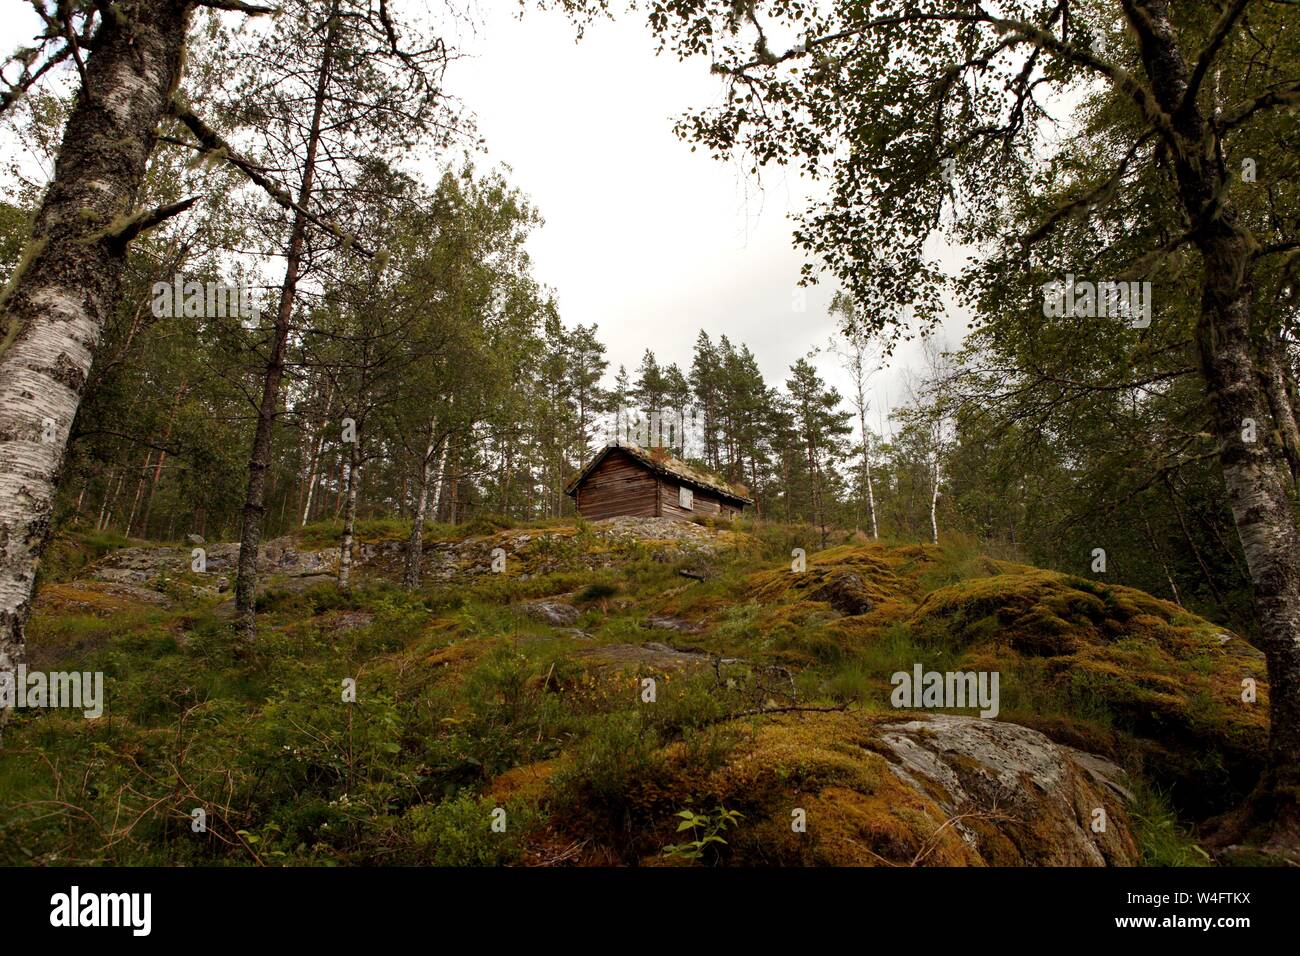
1258 487
1274 383
415 545
349 515
936 444
871 501
104 498
139 491
69 281
934 502
866 464
438 495
315 459
507 474
162 457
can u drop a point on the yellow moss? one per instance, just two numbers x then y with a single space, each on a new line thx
84 597
858 812
870 564
462 652
526 782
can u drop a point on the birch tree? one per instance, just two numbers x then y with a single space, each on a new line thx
128 65
854 349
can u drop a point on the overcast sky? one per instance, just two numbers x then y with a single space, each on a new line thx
643 237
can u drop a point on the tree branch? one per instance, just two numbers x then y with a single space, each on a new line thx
236 5
121 234
1028 32
1287 96
28 77
1212 45
212 143
1088 199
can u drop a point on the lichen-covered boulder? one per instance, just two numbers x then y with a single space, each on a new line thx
1168 684
931 791
1044 804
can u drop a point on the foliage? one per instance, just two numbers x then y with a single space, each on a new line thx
707 830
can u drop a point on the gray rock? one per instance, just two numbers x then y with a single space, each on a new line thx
844 591
550 612
988 773
699 572
662 622
641 657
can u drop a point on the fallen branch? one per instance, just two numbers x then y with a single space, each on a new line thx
791 709
238 6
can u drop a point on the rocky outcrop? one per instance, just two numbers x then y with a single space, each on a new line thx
933 791
696 536
1008 789
651 656
153 567
846 592
528 553
1101 667
550 612
1170 684
600 544
664 622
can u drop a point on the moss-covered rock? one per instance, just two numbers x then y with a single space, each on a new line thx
1080 660
851 789
469 701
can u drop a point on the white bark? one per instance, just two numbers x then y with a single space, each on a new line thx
415 545
349 519
314 472
69 281
934 501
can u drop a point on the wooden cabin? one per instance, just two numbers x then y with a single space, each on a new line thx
649 483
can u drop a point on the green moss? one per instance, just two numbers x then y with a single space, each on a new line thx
9 332
465 705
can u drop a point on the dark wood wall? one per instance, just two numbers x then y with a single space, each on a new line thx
619 485
705 503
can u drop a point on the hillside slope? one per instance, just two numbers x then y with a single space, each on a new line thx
623 692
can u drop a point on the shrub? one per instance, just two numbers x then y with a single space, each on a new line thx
609 786
599 591
459 831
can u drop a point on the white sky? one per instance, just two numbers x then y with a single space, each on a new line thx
643 237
